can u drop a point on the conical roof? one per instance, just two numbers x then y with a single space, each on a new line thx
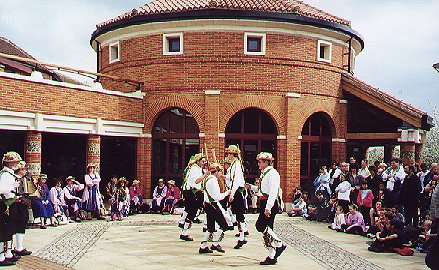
276 6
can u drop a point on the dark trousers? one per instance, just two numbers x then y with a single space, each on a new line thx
238 206
411 214
365 211
190 205
7 226
19 215
345 205
263 221
214 215
353 230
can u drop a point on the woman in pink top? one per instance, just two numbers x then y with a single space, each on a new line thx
365 201
136 196
354 222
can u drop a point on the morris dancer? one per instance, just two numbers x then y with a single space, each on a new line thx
269 207
191 191
214 211
235 176
184 187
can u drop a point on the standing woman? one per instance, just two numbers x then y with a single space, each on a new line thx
92 197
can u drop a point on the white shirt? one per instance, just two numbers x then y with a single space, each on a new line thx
8 183
68 195
270 184
364 172
212 188
194 173
421 176
236 176
344 190
92 179
336 174
395 175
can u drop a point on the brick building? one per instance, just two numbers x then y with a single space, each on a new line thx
272 75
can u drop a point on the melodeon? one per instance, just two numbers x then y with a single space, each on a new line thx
26 186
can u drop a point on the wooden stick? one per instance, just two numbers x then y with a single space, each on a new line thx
214 156
207 153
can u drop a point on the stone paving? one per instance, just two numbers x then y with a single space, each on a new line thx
151 242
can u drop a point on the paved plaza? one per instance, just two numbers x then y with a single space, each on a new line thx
151 242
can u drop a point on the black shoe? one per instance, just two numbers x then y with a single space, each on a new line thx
13 258
279 250
204 229
240 244
6 263
24 252
268 261
245 233
181 225
205 250
186 238
197 221
218 248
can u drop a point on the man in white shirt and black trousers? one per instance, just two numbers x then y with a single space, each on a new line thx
269 207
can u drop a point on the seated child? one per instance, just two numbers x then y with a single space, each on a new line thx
298 209
339 219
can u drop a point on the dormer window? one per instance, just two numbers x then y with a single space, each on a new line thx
324 51
172 44
254 43
114 52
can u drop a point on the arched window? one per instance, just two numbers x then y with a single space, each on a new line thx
254 131
315 147
175 138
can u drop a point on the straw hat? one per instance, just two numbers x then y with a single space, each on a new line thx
215 167
199 157
91 165
70 178
171 182
43 176
21 165
136 182
265 156
11 157
161 180
232 149
122 179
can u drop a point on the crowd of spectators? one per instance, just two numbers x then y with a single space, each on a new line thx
395 205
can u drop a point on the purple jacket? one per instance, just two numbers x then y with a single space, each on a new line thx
356 220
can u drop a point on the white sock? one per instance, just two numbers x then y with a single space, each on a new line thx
271 232
9 250
2 250
19 241
185 229
271 252
217 239
183 217
206 238
242 232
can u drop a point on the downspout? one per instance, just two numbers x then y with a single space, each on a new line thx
98 67
349 55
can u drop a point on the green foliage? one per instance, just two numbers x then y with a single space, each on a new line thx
430 150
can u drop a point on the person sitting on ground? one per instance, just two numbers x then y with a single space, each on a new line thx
253 191
136 197
297 194
375 213
57 198
364 200
426 239
41 206
339 219
158 197
110 189
354 222
318 210
298 209
71 197
397 214
389 238
172 197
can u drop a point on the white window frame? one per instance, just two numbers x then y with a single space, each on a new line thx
111 58
328 45
263 38
166 43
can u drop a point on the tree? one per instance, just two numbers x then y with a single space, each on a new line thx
430 150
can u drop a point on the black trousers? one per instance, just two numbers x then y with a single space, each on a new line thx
238 206
263 221
214 215
7 227
19 216
190 205
411 214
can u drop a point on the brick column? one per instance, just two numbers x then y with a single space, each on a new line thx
339 150
211 124
32 152
407 152
144 164
94 150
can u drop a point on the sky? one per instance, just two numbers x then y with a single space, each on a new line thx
401 38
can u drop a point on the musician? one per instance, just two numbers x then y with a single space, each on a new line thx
191 191
214 211
269 207
8 207
235 176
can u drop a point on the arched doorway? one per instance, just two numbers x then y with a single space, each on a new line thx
175 138
254 131
315 147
